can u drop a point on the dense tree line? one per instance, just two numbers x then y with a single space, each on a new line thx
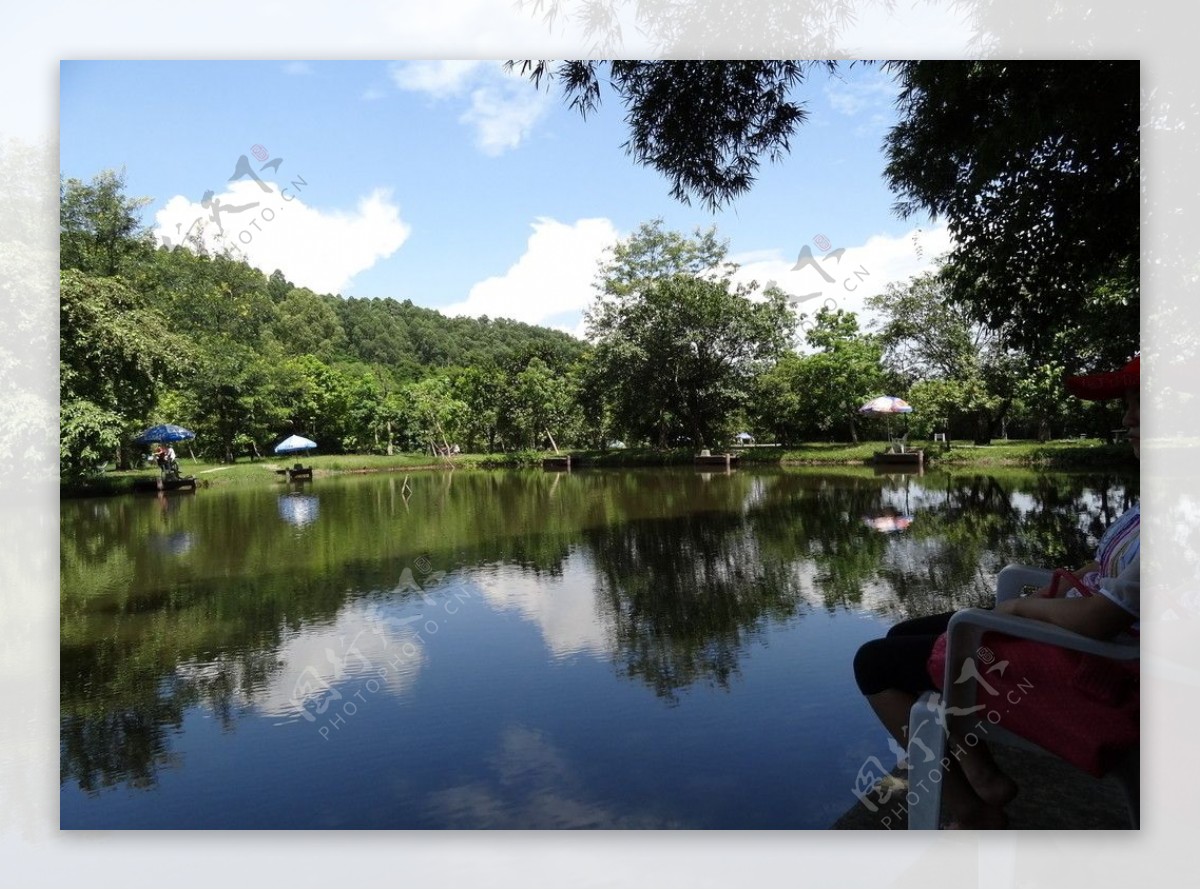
150 333
678 356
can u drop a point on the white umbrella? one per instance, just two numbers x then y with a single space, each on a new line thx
295 443
885 407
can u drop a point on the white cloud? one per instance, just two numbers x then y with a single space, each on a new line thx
503 117
503 106
439 79
553 277
860 272
869 100
852 98
552 282
319 249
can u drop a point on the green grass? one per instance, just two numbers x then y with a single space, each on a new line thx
262 472
1062 454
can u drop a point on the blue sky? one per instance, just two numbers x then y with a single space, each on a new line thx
465 189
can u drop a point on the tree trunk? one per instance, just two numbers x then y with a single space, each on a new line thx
983 428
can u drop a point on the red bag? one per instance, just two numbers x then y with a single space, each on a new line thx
1081 707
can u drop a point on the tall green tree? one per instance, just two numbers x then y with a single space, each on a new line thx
542 403
777 402
481 389
927 337
435 412
100 227
234 398
115 354
844 372
1035 168
677 343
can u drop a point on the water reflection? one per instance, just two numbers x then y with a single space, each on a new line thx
889 520
174 543
299 509
529 781
561 604
668 583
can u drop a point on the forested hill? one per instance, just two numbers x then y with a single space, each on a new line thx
152 334
412 339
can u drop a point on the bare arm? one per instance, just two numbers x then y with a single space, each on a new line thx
1092 616
1079 572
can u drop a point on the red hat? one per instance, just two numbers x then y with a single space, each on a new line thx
1109 385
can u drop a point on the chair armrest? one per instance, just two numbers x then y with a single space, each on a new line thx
1013 578
965 633
968 623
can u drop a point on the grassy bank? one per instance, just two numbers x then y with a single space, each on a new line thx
1066 455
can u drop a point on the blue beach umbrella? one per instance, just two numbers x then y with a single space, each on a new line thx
295 443
163 432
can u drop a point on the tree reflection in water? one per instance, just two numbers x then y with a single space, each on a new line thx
689 571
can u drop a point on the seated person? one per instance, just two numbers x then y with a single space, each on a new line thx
894 671
167 463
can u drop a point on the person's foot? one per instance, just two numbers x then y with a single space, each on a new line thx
993 786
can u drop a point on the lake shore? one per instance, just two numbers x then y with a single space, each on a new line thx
1072 454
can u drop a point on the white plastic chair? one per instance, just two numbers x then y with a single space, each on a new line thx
927 739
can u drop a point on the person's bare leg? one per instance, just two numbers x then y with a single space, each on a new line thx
892 706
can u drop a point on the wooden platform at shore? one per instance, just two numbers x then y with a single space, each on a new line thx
915 458
183 483
296 472
716 460
558 462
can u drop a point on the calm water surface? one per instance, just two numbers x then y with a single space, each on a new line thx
633 649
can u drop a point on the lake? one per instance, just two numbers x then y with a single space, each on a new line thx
515 649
